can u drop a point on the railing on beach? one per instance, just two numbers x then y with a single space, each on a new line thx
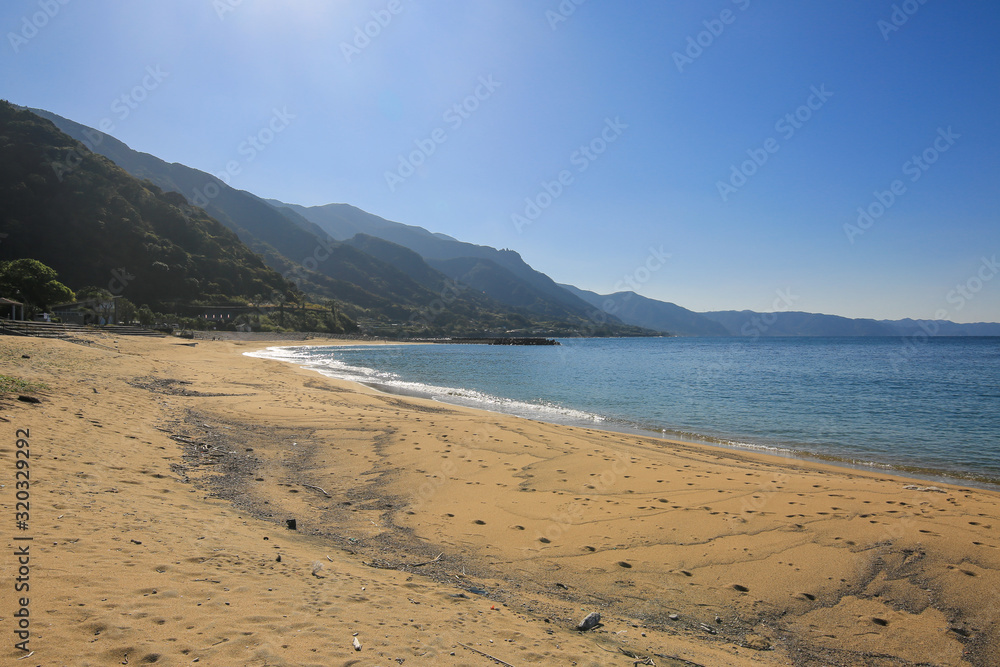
64 330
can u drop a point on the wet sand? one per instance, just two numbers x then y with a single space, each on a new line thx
163 475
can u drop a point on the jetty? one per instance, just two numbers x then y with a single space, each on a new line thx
521 340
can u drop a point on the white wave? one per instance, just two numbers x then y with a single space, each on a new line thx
305 356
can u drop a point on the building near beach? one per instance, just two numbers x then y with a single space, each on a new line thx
11 310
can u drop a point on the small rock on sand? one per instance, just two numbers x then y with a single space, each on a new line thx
592 620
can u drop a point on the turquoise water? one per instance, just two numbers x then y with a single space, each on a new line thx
921 406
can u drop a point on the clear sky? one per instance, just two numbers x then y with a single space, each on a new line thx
739 137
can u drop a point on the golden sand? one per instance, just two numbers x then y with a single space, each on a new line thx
163 475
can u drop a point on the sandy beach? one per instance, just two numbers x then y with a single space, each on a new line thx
164 472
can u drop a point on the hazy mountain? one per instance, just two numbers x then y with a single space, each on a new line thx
638 310
479 282
501 284
97 225
342 221
793 323
642 311
909 327
750 323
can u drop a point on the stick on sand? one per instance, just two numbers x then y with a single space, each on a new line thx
491 657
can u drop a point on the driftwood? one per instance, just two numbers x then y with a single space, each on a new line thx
310 486
485 655
428 562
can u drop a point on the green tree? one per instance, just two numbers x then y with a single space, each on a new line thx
103 304
126 311
145 316
32 282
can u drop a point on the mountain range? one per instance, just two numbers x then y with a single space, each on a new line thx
387 287
405 280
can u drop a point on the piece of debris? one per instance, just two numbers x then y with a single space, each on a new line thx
26 356
637 658
357 644
27 399
428 562
310 486
708 628
914 487
673 617
290 523
485 655
317 567
592 620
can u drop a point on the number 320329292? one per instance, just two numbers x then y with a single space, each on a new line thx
22 457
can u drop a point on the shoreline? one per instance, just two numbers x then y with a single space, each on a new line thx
604 423
166 473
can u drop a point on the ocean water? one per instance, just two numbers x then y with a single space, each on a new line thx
924 407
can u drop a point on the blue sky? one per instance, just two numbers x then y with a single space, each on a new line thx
737 136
